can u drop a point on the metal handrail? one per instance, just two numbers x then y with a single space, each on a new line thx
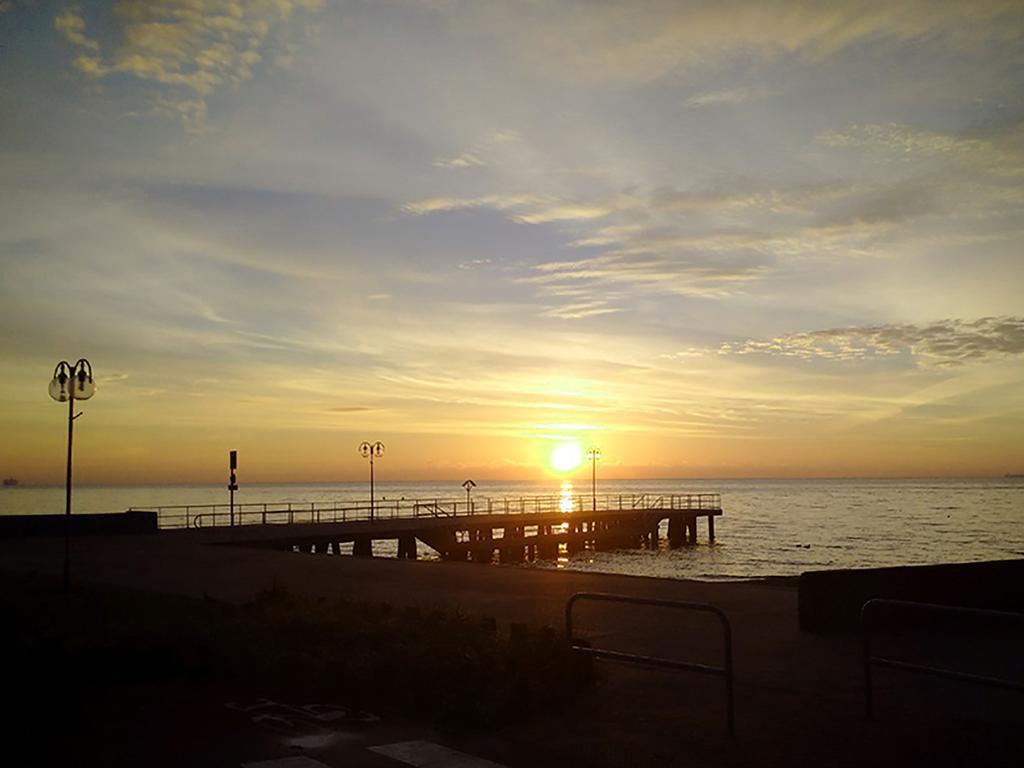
970 615
198 515
656 661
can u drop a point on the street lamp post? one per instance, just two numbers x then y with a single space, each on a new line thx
70 383
593 454
370 451
469 485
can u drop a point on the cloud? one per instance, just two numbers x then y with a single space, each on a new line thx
945 342
1000 154
709 242
465 160
190 47
581 309
565 212
743 214
731 96
483 152
746 193
633 41
690 274
71 24
524 208
880 205
495 202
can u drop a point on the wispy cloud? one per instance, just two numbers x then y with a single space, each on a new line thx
730 96
71 24
682 274
465 160
709 242
496 202
484 152
944 342
580 309
638 41
906 142
524 208
189 47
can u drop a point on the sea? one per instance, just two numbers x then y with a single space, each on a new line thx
768 527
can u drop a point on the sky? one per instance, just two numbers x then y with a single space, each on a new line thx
713 239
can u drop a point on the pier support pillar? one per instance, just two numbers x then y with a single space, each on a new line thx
676 531
513 554
682 530
362 546
458 553
406 547
711 529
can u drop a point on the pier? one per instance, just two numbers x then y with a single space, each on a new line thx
509 530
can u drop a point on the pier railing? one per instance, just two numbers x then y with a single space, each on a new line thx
292 512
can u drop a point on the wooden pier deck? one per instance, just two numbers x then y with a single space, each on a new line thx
511 529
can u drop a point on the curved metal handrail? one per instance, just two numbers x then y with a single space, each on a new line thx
868 614
656 661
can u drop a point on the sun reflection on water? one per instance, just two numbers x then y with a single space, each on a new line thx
565 497
565 502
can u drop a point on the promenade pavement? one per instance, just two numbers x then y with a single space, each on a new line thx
799 697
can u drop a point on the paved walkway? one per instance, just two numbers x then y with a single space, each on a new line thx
799 696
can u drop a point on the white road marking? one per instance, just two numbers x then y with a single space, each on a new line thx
287 762
426 754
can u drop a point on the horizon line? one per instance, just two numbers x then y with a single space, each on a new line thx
178 484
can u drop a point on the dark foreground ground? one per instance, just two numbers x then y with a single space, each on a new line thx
94 684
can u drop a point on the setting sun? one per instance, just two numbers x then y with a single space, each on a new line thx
566 456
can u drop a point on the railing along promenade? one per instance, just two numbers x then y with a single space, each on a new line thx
291 513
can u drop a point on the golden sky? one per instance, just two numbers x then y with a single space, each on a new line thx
712 238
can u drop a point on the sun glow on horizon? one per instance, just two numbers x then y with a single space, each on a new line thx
566 457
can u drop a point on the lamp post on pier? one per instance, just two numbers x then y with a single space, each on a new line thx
370 451
70 383
593 454
469 485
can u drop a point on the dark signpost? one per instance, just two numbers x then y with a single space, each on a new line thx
232 483
593 454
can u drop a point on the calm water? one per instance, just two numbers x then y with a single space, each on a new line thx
769 528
